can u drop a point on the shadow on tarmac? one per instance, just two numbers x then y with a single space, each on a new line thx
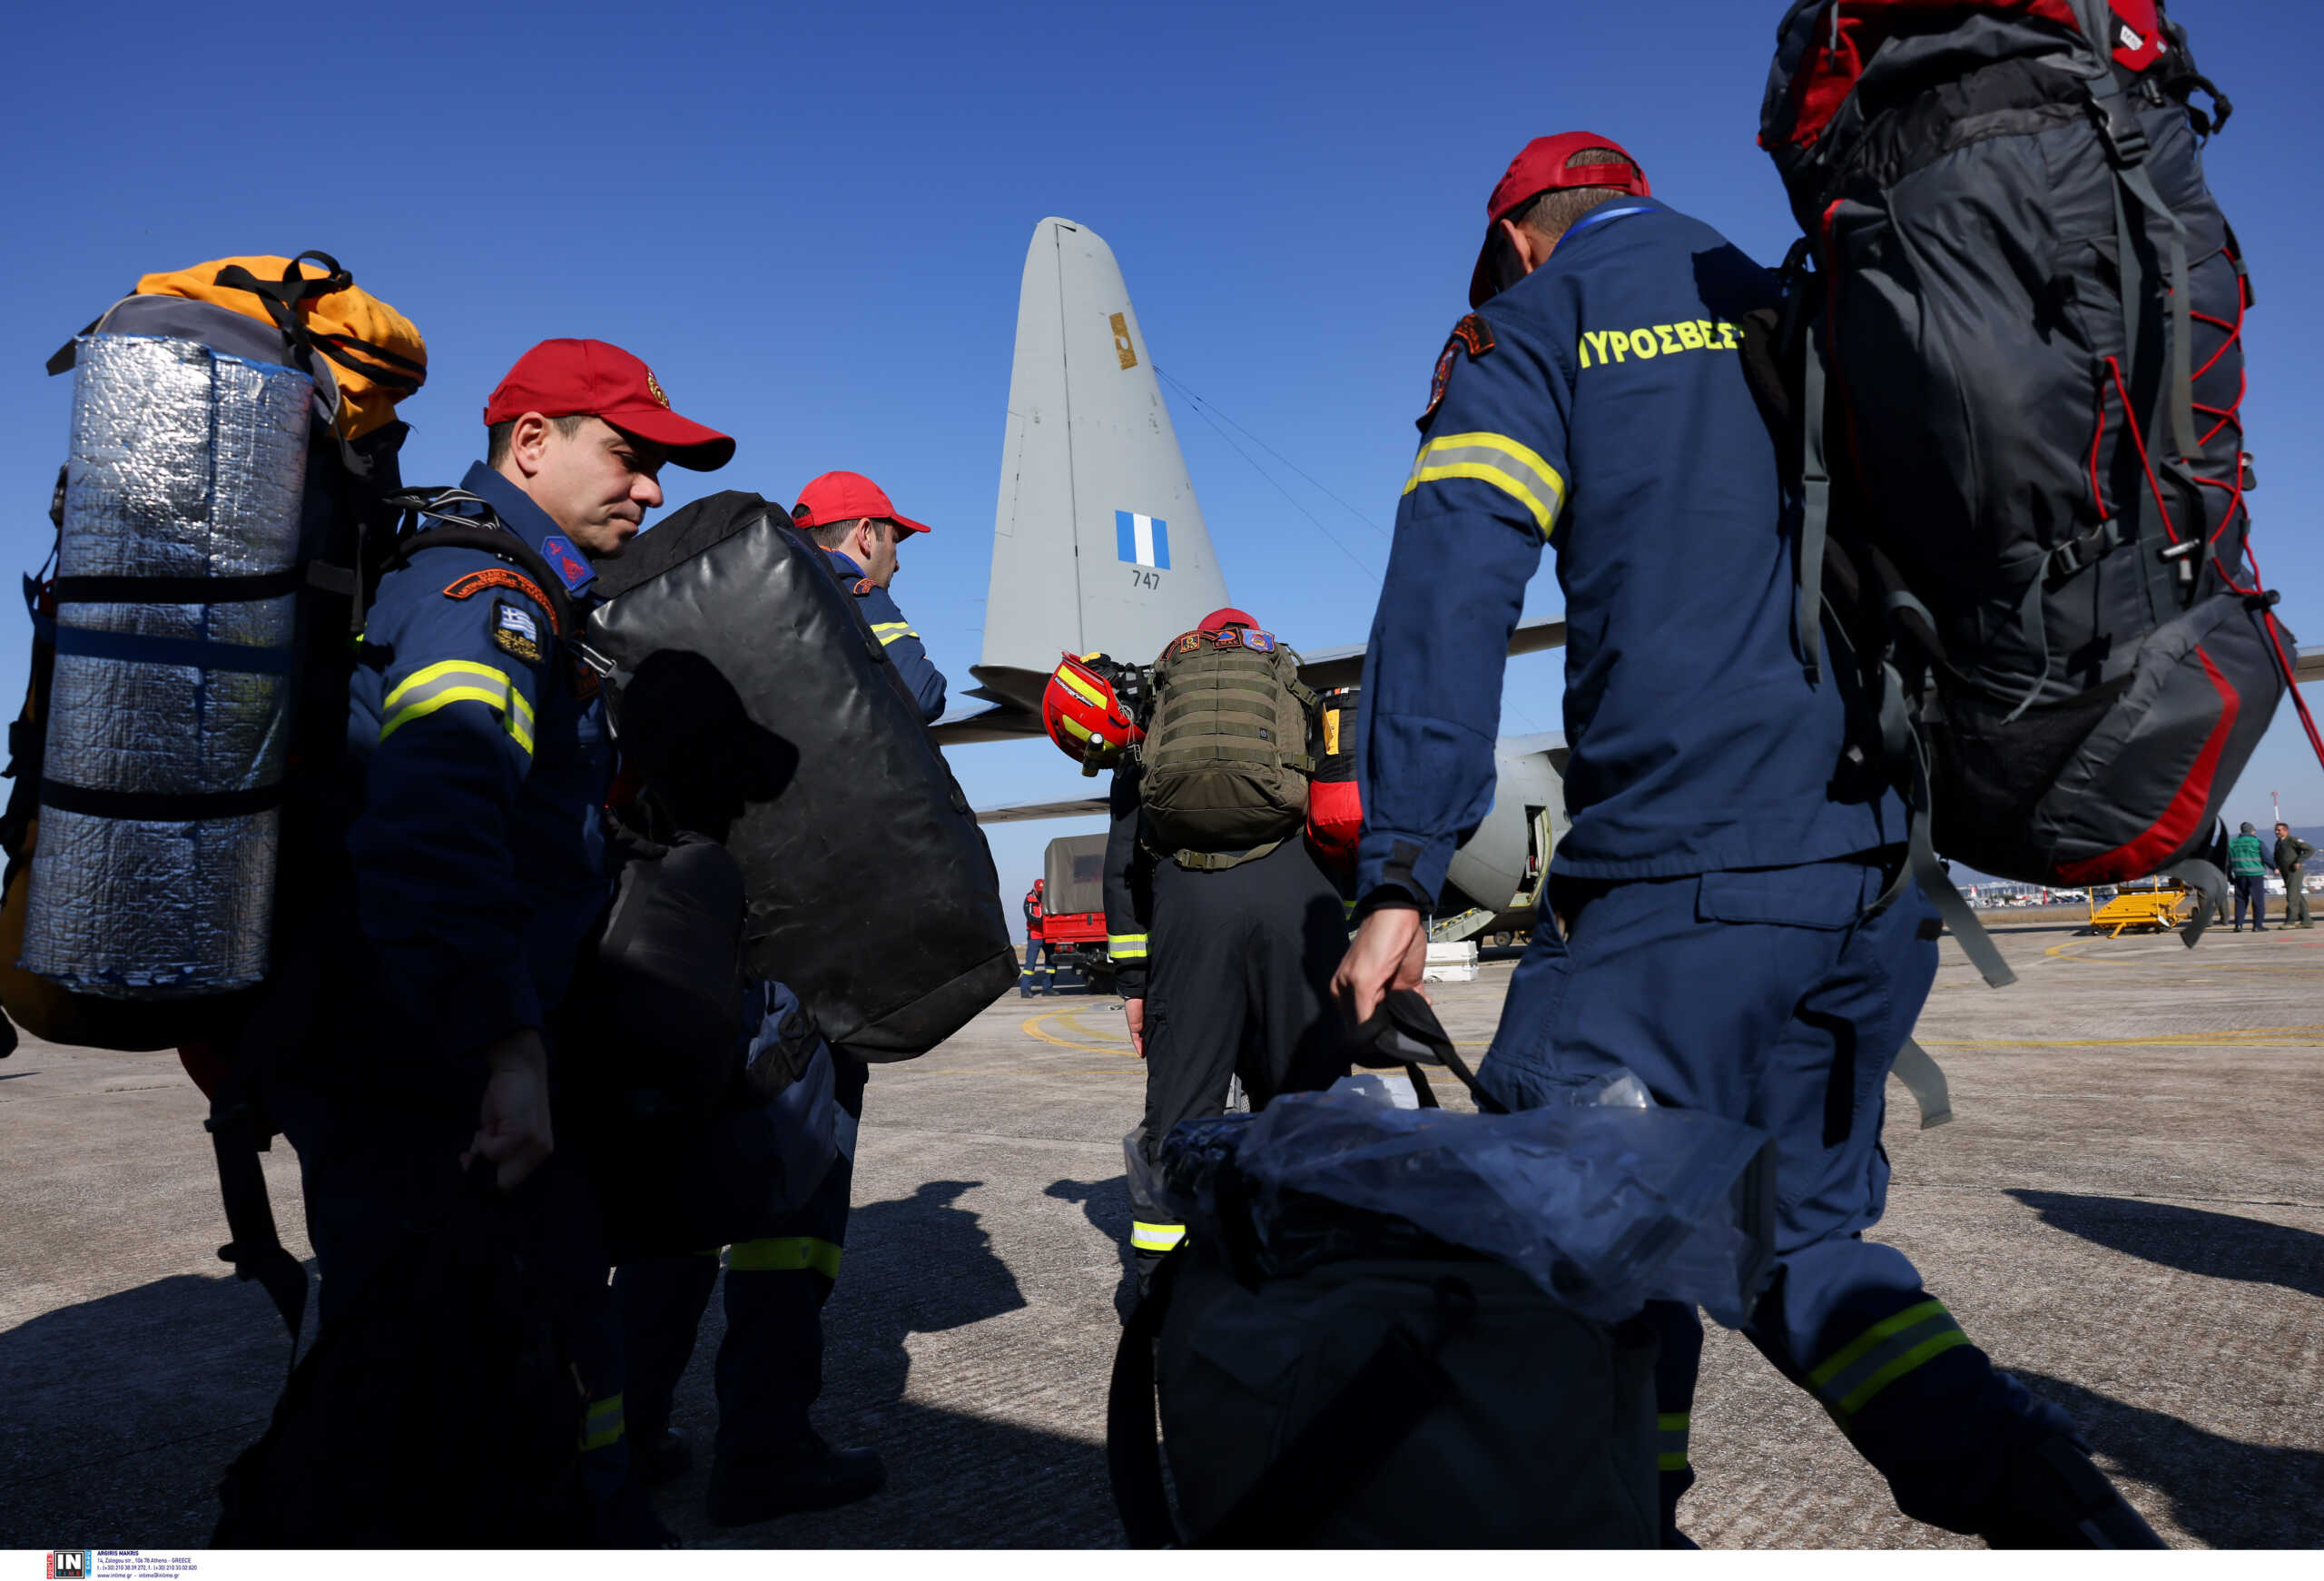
916 1265
2194 1241
123 1411
2223 1493
1105 1204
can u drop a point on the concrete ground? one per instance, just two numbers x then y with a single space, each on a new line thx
2129 1211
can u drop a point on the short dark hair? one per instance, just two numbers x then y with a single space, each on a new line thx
830 535
498 438
1553 213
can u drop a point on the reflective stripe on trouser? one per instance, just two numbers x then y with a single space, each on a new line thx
1154 1238
602 1427
1848 1380
1790 1023
1670 1441
778 1253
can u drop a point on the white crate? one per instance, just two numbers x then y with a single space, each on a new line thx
1450 962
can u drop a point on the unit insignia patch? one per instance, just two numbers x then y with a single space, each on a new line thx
516 632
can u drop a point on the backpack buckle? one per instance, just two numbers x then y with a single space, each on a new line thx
2118 128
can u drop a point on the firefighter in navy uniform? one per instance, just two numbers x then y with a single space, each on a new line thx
1224 962
1038 959
477 863
1714 899
851 519
768 1459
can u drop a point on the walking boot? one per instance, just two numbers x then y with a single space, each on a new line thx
745 1491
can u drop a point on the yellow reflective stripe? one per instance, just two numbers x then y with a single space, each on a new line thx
1155 1237
1126 946
1671 1429
456 680
1926 1350
603 1429
1848 1379
1079 687
887 631
784 1254
1497 459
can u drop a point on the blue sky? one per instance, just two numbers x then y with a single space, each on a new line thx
811 220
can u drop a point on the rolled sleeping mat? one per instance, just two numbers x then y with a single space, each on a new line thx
170 714
753 694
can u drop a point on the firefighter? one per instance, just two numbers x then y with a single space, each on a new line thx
1222 958
1715 926
851 519
477 862
1036 950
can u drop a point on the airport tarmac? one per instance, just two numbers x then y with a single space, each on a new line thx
2128 1211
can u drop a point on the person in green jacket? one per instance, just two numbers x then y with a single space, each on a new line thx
2291 852
2247 867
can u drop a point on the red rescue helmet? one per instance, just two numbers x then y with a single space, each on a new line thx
1084 716
1218 621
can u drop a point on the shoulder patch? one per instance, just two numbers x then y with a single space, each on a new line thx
1473 335
864 588
1259 641
1230 637
1189 642
515 631
567 561
475 582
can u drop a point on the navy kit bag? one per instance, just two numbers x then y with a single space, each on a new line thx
2015 365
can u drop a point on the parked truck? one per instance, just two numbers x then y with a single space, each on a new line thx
1073 909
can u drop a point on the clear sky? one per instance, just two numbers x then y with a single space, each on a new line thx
811 221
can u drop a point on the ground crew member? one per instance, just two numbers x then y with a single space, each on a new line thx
2247 866
477 863
2289 854
1225 969
769 1460
851 519
1037 953
1714 929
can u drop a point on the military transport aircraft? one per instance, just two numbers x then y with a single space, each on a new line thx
1098 547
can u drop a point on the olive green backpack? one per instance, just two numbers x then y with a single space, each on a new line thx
1226 755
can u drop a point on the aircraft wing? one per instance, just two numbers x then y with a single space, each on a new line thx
1343 666
995 722
1028 811
2308 665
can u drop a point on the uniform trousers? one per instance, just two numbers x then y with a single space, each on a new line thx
2295 899
771 1363
1766 997
372 1170
1238 983
1040 961
2251 890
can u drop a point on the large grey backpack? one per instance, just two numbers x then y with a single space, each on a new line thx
2018 362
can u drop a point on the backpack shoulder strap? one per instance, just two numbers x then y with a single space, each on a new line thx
485 532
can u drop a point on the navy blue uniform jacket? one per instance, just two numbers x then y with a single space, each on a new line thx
896 635
1599 407
479 856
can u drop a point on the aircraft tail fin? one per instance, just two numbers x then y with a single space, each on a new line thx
1097 543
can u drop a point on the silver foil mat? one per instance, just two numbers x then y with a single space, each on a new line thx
185 462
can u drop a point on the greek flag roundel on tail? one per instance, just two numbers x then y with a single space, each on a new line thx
1142 541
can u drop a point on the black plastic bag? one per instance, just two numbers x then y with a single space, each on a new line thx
870 890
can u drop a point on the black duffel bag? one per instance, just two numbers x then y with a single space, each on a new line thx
870 888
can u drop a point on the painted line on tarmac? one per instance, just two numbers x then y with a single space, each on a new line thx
2070 951
1033 1028
2161 1041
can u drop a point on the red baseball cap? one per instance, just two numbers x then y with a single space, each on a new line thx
1540 167
593 379
1218 621
844 497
